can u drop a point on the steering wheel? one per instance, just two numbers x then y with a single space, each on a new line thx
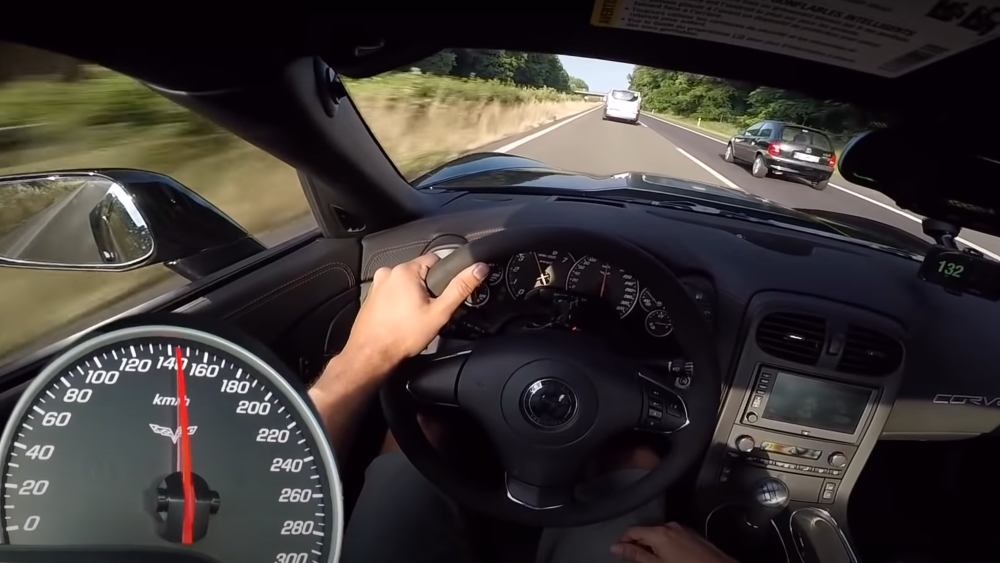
549 399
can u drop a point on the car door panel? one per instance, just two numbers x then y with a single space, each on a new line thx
742 147
297 293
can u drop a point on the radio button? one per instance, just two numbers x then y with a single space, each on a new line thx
745 443
837 459
756 402
751 417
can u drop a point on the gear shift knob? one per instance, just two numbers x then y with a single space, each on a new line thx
769 498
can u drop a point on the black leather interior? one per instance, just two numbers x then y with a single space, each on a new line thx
302 305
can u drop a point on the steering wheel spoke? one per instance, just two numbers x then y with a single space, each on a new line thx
538 498
664 410
434 379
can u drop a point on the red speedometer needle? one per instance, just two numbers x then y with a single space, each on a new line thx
187 531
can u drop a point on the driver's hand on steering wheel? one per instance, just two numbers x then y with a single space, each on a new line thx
671 543
399 318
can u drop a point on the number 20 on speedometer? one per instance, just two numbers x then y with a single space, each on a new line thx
167 436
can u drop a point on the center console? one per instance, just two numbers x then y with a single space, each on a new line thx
812 388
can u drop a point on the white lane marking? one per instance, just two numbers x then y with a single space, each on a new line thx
895 210
911 217
708 169
511 146
644 125
710 138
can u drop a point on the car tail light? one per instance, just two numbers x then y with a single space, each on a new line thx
833 159
774 149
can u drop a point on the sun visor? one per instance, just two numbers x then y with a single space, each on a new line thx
888 38
945 172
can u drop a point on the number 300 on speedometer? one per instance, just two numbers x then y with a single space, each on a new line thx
167 436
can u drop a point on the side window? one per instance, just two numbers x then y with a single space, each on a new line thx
60 113
752 130
765 133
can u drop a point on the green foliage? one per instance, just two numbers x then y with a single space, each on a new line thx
578 84
509 67
439 63
417 89
97 107
739 103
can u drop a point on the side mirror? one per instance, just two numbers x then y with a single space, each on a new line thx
953 180
114 220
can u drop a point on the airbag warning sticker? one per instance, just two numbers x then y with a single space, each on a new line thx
887 38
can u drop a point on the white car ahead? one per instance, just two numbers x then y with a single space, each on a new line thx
622 105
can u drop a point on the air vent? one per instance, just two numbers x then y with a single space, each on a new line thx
867 352
792 336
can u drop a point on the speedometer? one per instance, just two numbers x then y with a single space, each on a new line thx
595 277
167 436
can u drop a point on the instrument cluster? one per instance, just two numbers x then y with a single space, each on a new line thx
529 276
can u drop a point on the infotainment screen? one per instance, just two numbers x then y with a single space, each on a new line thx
816 403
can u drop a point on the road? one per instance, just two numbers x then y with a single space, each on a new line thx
586 143
60 233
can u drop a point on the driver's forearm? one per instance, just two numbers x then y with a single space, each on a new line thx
341 395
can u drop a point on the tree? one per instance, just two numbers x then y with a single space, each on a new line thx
524 69
740 103
578 84
439 63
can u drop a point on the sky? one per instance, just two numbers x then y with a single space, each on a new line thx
599 75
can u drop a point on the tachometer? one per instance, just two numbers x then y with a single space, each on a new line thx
528 270
157 436
592 276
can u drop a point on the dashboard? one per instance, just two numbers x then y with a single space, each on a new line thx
531 289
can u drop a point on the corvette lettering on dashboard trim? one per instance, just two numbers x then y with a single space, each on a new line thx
978 400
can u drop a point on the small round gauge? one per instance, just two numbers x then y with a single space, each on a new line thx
528 270
648 302
479 297
496 274
658 324
594 277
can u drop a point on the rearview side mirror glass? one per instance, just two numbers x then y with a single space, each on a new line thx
115 219
71 221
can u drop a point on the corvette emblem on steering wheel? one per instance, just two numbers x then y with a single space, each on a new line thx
549 403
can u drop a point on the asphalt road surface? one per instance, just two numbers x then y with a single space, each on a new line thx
60 233
586 143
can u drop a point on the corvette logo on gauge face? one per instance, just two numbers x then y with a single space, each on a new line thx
174 435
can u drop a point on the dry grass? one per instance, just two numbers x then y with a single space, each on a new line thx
417 141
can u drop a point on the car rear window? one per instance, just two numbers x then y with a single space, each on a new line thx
624 95
807 138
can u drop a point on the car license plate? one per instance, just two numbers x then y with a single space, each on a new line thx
805 157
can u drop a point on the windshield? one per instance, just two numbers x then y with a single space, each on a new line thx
555 112
806 137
